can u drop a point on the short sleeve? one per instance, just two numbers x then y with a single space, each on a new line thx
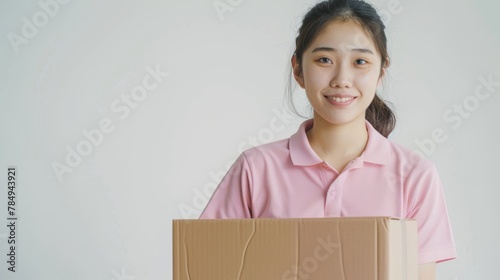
232 198
428 206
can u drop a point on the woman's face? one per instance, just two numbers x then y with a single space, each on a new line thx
340 72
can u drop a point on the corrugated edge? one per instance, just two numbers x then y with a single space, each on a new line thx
175 249
185 250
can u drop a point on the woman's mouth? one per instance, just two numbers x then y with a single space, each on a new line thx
340 99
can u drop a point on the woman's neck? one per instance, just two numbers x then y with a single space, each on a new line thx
338 144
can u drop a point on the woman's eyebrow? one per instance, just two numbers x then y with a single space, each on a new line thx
329 49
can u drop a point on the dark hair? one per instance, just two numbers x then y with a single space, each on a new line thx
378 113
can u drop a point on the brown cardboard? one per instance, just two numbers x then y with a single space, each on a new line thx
315 248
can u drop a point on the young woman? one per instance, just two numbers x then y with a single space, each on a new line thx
340 163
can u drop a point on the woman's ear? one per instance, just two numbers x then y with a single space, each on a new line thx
381 77
297 71
383 71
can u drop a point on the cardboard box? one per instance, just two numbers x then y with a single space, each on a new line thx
316 248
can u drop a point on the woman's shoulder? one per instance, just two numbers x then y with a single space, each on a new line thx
279 147
381 149
280 153
404 156
274 153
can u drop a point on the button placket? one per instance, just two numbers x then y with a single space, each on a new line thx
333 203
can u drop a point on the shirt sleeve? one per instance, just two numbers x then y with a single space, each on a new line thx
428 207
232 198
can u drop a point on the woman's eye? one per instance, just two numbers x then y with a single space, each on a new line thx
360 61
325 60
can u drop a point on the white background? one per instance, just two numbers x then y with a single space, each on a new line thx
110 217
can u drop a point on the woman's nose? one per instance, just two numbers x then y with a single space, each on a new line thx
342 77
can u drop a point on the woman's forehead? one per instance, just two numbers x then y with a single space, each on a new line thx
343 36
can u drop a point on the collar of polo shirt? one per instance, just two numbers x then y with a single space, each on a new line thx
377 149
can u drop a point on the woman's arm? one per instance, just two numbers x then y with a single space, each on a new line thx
232 198
427 271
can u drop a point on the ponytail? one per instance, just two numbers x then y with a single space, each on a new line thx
380 116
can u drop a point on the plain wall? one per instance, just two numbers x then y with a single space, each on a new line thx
70 69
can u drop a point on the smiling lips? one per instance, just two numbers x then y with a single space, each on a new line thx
337 100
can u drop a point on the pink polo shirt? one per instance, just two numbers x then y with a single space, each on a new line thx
286 179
